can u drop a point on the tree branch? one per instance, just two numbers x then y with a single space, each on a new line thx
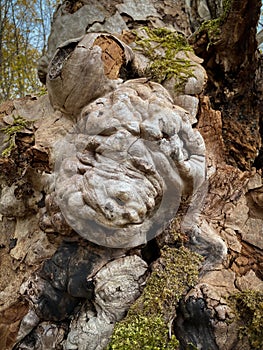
260 37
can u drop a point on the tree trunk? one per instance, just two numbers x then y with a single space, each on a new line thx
166 273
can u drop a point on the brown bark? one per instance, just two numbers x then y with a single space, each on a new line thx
232 62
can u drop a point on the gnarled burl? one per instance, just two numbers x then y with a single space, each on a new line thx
120 175
122 171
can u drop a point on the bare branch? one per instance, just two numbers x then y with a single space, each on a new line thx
260 37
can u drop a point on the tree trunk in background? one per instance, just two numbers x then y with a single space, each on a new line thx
208 312
233 66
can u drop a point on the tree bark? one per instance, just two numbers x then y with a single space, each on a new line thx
61 289
232 62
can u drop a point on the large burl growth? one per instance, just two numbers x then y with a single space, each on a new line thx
120 174
131 157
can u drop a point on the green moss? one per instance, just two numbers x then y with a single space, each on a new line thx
212 27
175 273
42 91
191 346
248 306
142 332
227 4
161 46
148 323
11 131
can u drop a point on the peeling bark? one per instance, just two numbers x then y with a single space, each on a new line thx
231 63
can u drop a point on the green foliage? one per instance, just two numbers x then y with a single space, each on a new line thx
162 46
248 306
24 27
147 323
11 131
19 66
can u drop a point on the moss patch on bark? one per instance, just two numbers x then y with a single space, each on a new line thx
248 307
148 324
162 46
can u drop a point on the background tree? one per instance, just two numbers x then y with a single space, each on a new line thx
24 26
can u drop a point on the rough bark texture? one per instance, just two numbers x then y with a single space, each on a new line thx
232 63
58 290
